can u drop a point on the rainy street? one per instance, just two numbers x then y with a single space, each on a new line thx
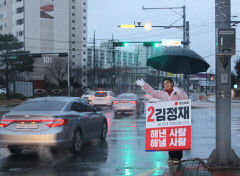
123 153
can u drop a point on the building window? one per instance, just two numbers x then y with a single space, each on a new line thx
73 35
84 18
18 0
73 56
73 21
73 14
20 33
73 28
84 52
73 63
73 0
73 49
73 7
84 60
19 21
84 3
0 27
20 10
84 10
5 2
84 38
84 24
84 45
84 31
73 42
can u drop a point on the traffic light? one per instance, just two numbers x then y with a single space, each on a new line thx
235 86
151 44
120 44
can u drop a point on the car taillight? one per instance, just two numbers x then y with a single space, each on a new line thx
92 98
133 102
49 123
115 102
4 123
108 98
56 122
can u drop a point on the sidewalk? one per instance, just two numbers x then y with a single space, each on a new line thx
197 167
212 104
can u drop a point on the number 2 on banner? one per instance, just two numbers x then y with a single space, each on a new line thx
151 108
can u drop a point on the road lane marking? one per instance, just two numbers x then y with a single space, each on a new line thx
152 170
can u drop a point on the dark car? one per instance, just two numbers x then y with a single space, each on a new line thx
55 122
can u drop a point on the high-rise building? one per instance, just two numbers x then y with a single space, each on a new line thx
49 26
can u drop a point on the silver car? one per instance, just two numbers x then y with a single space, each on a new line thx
55 122
127 102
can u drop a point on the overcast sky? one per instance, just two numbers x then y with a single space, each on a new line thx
104 17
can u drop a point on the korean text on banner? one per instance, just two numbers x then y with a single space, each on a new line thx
168 125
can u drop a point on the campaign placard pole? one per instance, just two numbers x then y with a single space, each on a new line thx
223 154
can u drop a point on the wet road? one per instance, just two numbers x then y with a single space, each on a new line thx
123 153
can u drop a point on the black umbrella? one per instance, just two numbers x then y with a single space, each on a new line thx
178 60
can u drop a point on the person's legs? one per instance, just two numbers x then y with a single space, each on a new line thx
177 156
170 156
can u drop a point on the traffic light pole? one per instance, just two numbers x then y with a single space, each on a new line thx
223 155
113 65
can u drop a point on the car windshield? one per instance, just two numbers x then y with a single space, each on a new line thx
40 106
100 94
127 97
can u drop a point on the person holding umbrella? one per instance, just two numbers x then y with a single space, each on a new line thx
169 93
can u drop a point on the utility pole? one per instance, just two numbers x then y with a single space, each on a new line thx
113 64
185 27
94 60
223 155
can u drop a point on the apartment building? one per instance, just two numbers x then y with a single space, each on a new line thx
48 26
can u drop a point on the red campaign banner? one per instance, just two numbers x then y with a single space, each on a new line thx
168 138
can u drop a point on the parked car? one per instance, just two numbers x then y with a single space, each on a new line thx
56 91
3 91
103 98
55 122
39 92
127 102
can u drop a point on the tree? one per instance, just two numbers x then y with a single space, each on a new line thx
233 79
237 70
12 59
58 69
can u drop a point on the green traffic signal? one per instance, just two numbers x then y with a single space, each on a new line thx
156 45
235 86
125 44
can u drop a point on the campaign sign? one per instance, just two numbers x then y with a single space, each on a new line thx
168 125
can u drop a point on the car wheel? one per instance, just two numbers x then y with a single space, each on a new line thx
77 142
14 150
104 131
